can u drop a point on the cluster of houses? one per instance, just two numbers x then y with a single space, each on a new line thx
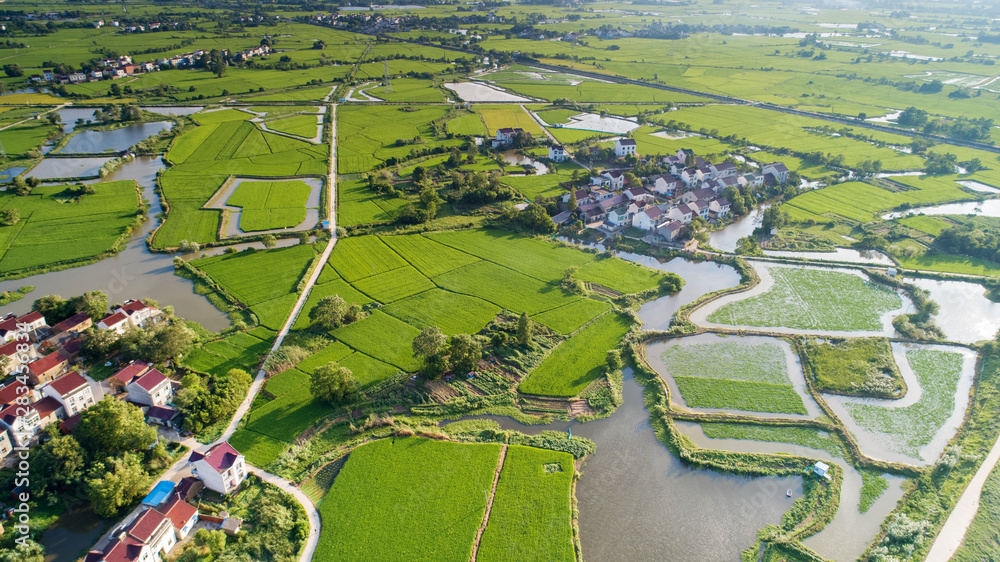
167 516
48 390
667 202
112 68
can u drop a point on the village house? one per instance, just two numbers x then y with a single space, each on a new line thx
72 391
557 153
117 323
506 136
47 368
689 176
753 180
616 179
624 147
222 468
697 195
719 207
647 219
664 184
582 197
74 324
5 444
669 230
637 194
777 170
23 423
139 313
32 323
618 215
682 213
150 389
725 170
9 356
150 536
132 371
599 194
162 415
182 515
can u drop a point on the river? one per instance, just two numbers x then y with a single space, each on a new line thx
134 273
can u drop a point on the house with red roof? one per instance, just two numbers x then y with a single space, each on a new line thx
222 468
150 389
72 390
45 369
148 537
76 323
23 423
138 312
182 515
13 357
131 372
31 323
117 322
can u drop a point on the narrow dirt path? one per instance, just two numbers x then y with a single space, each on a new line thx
489 502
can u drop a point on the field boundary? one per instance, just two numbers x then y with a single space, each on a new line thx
489 503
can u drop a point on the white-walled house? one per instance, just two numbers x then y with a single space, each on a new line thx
72 391
664 184
117 323
618 215
682 213
557 153
181 514
138 312
669 230
616 179
777 169
624 147
720 207
222 468
697 195
148 538
151 389
647 219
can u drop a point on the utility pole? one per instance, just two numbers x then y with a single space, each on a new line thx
385 79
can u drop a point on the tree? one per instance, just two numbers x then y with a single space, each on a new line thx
168 342
216 63
912 117
269 241
332 383
112 428
215 541
319 45
329 312
465 351
524 330
429 342
53 308
59 462
13 70
615 360
573 203
94 303
116 482
27 551
419 174
10 217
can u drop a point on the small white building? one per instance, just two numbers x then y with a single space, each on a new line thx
664 184
557 153
647 219
222 468
777 169
616 179
151 389
117 323
139 313
624 147
149 537
72 391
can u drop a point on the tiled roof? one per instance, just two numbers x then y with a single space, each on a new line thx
45 364
46 406
10 392
150 380
113 320
71 322
178 511
161 413
132 371
131 307
68 383
220 457
145 525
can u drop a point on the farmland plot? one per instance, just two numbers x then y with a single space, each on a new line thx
749 374
407 483
453 313
536 258
358 257
383 337
270 205
812 299
579 360
429 257
505 287
258 276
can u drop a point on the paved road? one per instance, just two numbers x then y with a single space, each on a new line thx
181 468
953 532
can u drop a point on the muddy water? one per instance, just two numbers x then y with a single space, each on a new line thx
988 208
638 502
73 531
850 532
134 273
52 168
849 255
699 278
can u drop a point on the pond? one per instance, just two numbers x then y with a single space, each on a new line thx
134 273
726 238
965 315
61 168
977 186
474 91
97 142
9 174
70 115
699 278
179 110
988 208
637 501
513 158
74 531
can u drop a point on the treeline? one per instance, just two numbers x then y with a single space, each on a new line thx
968 240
